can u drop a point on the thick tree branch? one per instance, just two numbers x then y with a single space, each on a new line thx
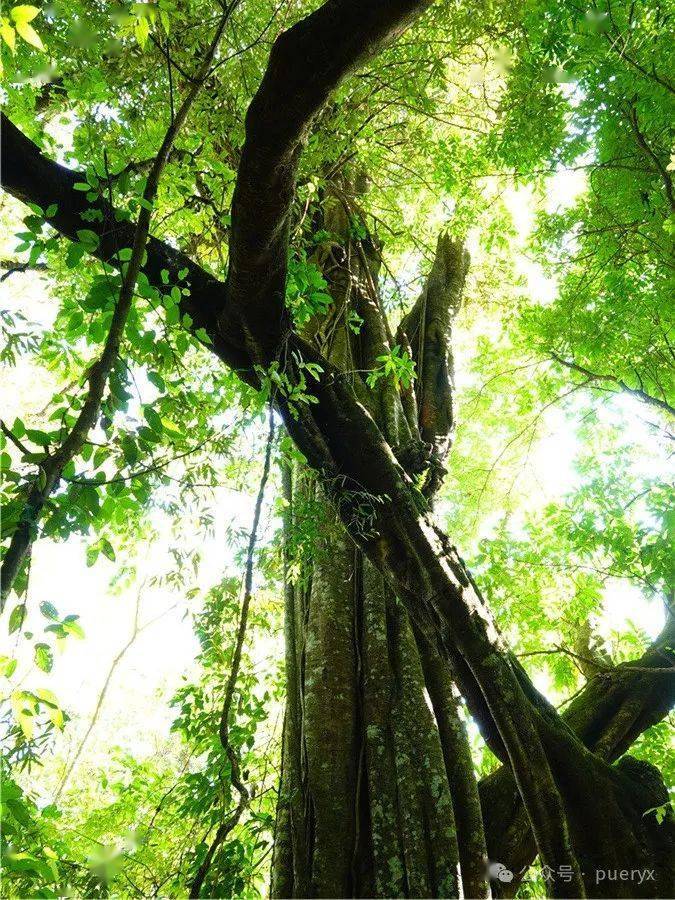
427 330
306 63
609 714
32 177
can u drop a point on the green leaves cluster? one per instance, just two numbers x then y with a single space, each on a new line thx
398 364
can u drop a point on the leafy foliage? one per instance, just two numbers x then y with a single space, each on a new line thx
477 119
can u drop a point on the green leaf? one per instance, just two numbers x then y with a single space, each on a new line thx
7 666
20 812
44 658
23 14
47 696
156 379
74 254
24 707
54 711
172 315
88 238
72 626
16 618
153 419
8 34
49 611
203 336
107 549
38 437
92 555
142 31
30 35
56 716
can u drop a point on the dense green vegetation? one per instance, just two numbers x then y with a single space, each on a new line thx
439 288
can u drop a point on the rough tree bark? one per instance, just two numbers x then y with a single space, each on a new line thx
584 813
610 713
375 799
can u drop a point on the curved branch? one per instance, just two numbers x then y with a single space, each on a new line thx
306 64
611 712
638 393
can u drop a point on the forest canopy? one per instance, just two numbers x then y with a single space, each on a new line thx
336 445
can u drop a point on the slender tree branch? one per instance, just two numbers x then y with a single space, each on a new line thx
9 434
223 729
52 467
595 376
136 630
13 266
651 155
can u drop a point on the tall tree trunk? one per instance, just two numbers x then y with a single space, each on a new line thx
370 765
365 805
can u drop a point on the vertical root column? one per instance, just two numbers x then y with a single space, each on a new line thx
414 841
365 807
